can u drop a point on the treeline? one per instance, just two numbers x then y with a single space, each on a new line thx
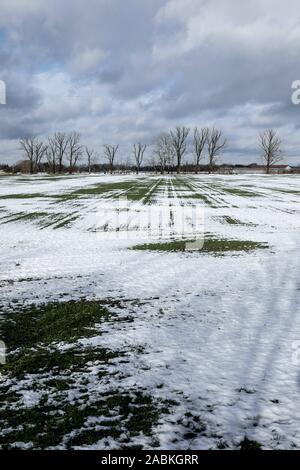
64 153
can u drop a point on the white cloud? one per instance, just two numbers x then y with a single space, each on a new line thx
86 60
257 26
12 11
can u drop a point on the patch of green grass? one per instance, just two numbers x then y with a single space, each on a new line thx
201 197
53 219
229 220
22 196
286 191
59 321
42 360
59 384
211 245
249 445
25 216
64 197
32 334
48 425
194 194
148 197
43 219
133 190
240 192
8 396
102 188
57 373
66 222
55 178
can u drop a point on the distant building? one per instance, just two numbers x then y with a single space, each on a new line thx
226 169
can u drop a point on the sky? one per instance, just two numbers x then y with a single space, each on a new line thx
122 71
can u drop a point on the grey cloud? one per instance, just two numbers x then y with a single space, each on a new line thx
149 66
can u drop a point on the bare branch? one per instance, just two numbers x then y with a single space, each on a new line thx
110 154
90 153
179 141
216 142
138 152
200 140
74 150
27 145
39 151
61 143
163 151
270 143
51 154
34 151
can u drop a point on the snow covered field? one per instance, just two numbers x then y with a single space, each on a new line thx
206 343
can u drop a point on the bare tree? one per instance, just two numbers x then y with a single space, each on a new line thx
90 154
34 151
27 145
216 142
270 143
94 161
153 162
179 141
110 155
128 163
61 142
200 140
74 150
39 151
51 154
138 153
163 151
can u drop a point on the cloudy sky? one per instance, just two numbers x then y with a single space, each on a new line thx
120 71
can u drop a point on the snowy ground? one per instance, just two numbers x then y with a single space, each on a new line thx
217 337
